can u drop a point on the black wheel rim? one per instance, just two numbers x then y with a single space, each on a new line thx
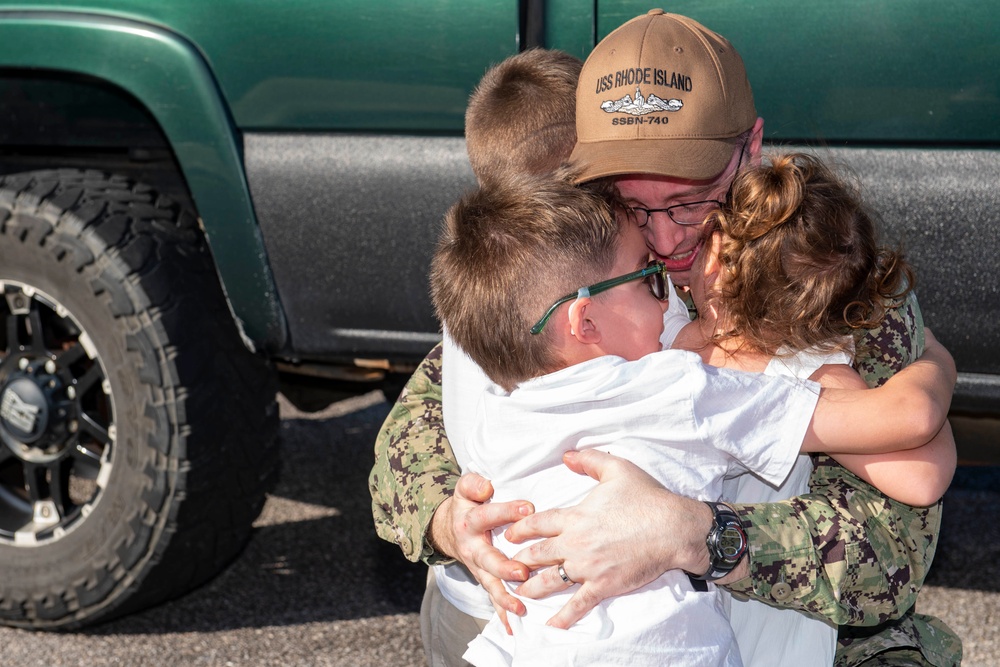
57 428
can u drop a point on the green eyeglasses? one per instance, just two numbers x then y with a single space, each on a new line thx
655 275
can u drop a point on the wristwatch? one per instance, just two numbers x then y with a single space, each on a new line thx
726 541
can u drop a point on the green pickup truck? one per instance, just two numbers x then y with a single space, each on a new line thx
199 199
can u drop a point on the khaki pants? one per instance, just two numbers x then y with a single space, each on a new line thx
444 630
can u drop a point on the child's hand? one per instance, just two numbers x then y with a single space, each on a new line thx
461 528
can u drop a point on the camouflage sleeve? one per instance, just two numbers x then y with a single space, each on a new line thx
415 469
844 551
892 346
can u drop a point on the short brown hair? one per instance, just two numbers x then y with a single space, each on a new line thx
509 250
521 117
801 262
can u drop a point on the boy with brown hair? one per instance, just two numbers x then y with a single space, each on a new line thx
522 115
509 250
521 119
585 370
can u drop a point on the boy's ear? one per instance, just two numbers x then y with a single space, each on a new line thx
582 325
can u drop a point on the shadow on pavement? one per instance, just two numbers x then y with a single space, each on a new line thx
314 555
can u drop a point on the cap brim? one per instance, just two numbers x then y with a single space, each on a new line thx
695 159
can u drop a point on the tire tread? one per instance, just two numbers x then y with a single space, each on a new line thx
211 402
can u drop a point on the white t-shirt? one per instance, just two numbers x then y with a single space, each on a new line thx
771 636
462 385
686 424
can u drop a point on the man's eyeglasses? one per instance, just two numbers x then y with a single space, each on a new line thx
655 275
691 213
688 213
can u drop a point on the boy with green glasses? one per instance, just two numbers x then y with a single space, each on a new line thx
582 367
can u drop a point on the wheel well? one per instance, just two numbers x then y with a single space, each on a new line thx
57 119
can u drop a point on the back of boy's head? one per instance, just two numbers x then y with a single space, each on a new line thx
801 261
521 117
509 250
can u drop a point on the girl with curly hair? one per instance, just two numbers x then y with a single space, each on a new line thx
794 275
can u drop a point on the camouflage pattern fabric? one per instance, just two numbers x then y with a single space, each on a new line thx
914 639
844 552
900 340
415 469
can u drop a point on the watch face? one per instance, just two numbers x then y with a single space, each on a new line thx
731 543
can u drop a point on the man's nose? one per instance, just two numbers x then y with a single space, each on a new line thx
663 235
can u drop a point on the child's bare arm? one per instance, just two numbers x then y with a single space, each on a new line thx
917 477
905 413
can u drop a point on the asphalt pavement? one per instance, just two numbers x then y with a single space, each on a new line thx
315 586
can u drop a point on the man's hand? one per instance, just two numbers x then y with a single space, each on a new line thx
461 529
627 532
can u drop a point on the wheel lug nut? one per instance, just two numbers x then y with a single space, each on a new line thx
71 392
22 363
73 426
50 366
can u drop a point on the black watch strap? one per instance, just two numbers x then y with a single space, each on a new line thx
726 542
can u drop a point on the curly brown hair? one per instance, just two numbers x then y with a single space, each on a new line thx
801 264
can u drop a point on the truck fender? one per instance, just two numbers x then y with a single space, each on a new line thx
167 74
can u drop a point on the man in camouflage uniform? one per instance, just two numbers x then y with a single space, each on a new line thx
843 552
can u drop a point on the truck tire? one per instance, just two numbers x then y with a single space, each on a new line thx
138 435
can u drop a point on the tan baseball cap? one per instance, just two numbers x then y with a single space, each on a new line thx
662 95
